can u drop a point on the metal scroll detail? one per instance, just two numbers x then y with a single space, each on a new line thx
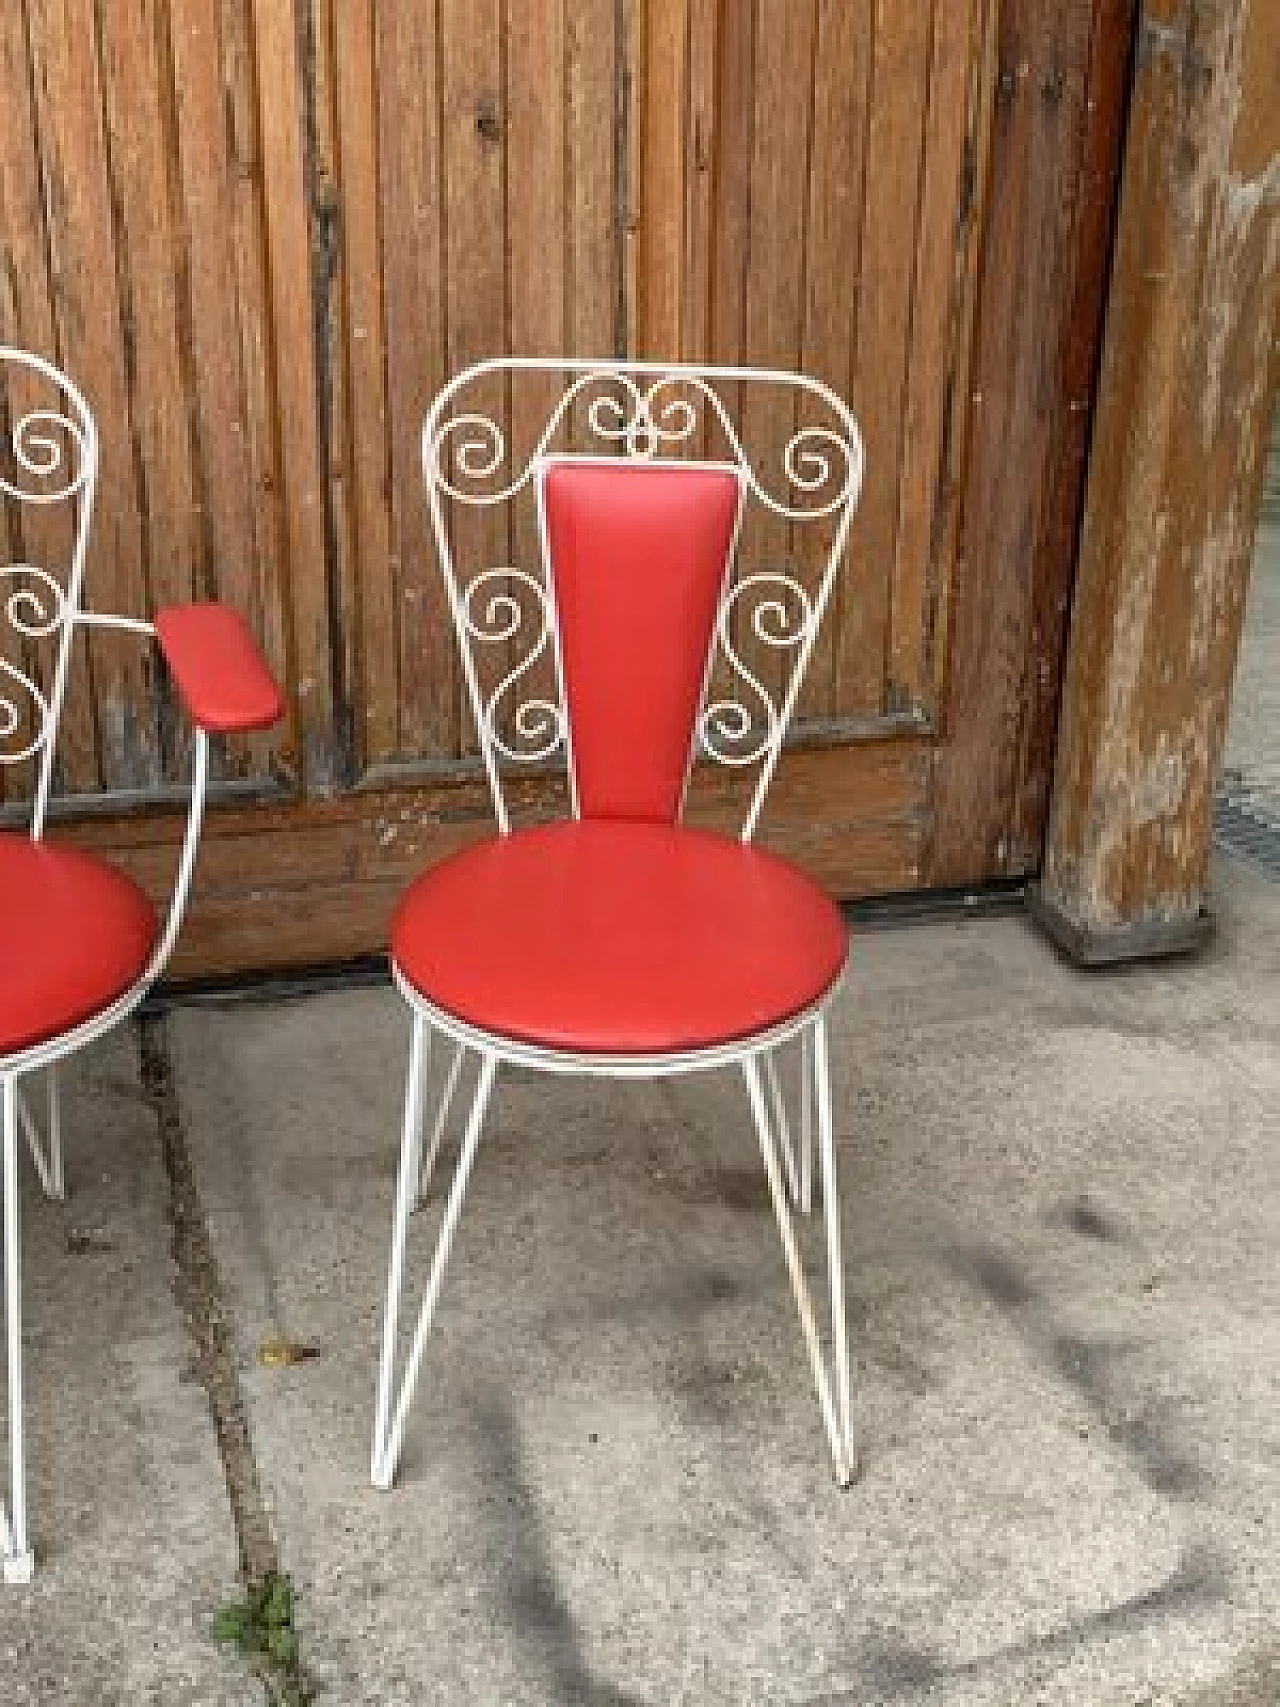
782 616
643 412
498 607
48 454
42 442
34 611
466 454
50 463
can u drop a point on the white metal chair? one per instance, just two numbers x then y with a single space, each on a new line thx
80 944
621 943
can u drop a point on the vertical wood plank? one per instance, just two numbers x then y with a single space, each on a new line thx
373 626
475 134
922 478
662 177
595 237
958 417
775 295
409 74
732 150
537 230
204 166
735 115
1026 293
147 263
1109 56
44 533
890 232
328 296
329 312
230 566
294 338
78 199
255 367
700 124
631 89
842 72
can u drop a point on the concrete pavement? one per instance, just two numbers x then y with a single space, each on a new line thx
135 1547
1061 1220
1061 1224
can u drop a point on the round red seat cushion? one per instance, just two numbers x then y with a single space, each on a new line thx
74 935
618 937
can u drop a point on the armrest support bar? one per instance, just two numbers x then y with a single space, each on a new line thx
187 864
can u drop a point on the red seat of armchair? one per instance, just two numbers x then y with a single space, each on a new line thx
74 935
618 937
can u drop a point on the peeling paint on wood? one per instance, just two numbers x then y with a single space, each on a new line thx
1184 410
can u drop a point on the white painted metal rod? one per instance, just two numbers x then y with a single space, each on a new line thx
384 1471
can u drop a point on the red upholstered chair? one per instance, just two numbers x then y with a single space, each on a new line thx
80 944
621 943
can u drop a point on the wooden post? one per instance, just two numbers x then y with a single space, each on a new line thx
1175 479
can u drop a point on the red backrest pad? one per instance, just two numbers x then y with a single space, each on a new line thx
637 559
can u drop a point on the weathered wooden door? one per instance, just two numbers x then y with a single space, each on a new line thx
261 233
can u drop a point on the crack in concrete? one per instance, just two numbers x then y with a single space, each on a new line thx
198 1288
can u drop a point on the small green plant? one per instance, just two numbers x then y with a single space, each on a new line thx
262 1626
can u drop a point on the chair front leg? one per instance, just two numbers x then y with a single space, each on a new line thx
835 1261
389 1424
835 1420
18 1561
406 1195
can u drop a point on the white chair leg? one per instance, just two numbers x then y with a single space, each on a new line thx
46 1149
388 1431
442 1115
835 1261
806 1120
781 1126
18 1561
53 1089
837 1433
406 1188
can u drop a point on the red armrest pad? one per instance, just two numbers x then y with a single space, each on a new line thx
224 683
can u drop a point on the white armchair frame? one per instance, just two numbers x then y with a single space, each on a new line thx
55 461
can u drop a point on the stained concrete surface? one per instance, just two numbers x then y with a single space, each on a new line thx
1061 1222
134 1542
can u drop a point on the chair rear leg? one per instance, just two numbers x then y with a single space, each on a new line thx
53 1105
46 1149
781 1127
835 1261
389 1425
806 1120
836 1433
442 1116
18 1561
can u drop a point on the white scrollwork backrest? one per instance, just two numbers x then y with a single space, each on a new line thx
48 456
645 411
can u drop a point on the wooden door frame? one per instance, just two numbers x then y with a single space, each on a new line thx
300 881
1056 147
1183 415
